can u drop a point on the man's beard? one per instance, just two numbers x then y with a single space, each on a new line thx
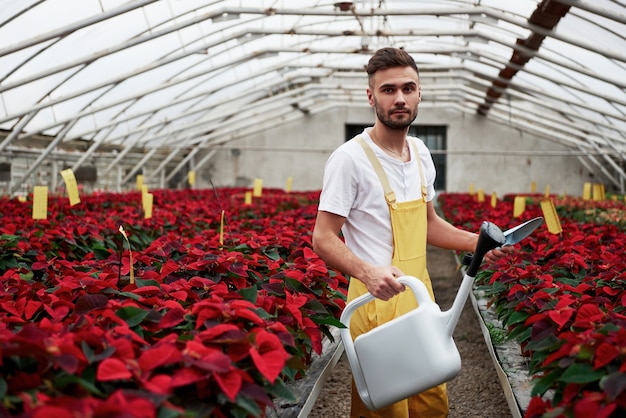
394 124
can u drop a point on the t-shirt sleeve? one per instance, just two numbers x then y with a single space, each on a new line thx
339 186
430 175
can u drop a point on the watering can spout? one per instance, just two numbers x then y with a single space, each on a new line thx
489 237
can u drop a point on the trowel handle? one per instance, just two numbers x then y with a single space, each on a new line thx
489 237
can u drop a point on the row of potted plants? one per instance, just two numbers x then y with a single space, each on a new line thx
563 298
198 317
210 318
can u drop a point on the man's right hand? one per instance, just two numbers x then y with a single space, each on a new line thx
382 282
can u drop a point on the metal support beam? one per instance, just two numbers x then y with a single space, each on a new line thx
547 15
40 159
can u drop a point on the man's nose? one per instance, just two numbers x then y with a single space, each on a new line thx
400 99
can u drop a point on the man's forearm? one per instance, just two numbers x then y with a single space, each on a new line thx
445 235
337 255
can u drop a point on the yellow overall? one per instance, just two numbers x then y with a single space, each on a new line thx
408 224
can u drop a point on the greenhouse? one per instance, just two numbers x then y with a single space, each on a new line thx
162 165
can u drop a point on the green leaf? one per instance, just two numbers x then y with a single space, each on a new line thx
143 283
92 357
316 306
328 320
9 263
516 318
249 293
581 373
165 412
132 315
520 334
250 407
3 388
291 372
281 391
263 314
550 343
100 251
129 295
65 380
294 285
272 254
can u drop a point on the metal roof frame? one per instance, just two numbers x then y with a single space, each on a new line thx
480 47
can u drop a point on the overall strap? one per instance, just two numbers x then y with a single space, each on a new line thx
390 196
419 164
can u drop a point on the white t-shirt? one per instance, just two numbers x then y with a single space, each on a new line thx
352 189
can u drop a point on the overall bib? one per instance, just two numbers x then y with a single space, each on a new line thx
408 225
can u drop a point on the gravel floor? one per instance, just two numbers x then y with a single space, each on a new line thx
475 393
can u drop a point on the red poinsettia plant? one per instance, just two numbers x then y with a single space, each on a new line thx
563 297
187 318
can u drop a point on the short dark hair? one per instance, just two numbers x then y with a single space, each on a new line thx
389 58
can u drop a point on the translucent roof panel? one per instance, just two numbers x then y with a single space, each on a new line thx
164 73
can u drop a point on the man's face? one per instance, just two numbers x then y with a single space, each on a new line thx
395 94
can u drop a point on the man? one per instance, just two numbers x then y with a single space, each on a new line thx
377 191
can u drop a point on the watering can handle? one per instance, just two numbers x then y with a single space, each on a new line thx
418 288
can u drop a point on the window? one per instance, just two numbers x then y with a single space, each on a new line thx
435 139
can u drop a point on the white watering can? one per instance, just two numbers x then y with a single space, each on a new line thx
416 351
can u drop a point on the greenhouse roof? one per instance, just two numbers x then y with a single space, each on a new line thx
192 74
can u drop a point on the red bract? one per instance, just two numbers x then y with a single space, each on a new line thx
268 355
112 369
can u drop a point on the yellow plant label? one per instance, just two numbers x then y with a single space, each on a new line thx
191 178
587 191
533 187
139 180
21 198
289 184
147 200
519 206
144 193
481 195
471 189
258 188
222 229
551 217
494 200
595 192
40 202
248 198
546 194
70 184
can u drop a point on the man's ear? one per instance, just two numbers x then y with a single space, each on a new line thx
370 97
419 93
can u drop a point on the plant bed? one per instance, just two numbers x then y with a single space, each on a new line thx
185 319
562 298
189 318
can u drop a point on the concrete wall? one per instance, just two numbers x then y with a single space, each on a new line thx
492 156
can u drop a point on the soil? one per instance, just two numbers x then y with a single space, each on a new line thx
475 393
